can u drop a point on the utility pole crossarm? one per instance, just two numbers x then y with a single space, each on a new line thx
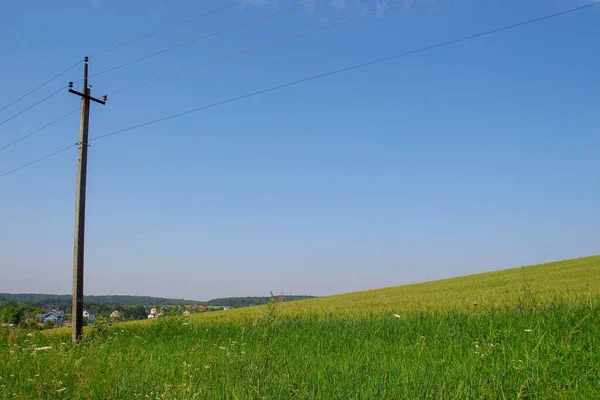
103 102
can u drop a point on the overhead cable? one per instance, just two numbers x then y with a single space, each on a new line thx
31 106
38 160
380 10
126 43
353 67
41 86
201 38
167 28
39 129
314 77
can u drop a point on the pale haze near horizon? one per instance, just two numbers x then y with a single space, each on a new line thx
469 158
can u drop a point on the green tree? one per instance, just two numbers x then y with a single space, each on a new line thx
173 310
11 312
138 312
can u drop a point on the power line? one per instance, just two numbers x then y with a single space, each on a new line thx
125 44
38 160
202 37
314 77
353 67
167 28
39 129
31 106
41 86
383 9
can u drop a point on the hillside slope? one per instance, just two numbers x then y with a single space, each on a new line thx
515 343
533 284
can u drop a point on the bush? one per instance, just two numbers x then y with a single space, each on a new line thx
101 325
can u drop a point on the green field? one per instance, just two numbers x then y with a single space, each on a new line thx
530 332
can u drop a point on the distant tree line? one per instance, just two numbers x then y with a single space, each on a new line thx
250 301
95 302
24 315
66 299
127 312
21 309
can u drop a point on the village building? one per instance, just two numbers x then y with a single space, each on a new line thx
116 315
55 317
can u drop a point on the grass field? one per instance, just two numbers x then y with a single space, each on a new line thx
531 332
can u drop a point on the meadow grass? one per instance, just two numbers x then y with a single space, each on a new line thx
542 340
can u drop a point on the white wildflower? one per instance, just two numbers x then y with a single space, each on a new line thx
397 315
42 348
527 330
61 390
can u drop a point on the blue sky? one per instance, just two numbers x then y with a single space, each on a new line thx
473 157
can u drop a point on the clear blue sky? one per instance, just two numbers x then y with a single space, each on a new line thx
468 158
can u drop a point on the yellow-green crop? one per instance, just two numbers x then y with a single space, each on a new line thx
515 334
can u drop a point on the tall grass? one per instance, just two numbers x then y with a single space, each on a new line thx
527 345
547 352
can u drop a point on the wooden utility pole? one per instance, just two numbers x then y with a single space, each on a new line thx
78 250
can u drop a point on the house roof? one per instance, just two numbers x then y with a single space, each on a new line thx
59 313
53 315
56 313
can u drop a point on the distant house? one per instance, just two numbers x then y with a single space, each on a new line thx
90 315
226 308
186 312
55 317
153 311
151 316
116 315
